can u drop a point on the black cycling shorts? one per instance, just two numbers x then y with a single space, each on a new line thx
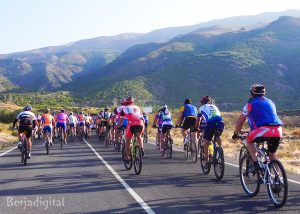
27 130
136 129
166 128
189 122
273 142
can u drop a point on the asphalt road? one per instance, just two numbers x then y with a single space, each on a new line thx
75 180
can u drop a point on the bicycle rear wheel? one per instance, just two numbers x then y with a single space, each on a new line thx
137 159
193 149
205 170
127 163
243 152
169 149
219 164
249 181
47 147
278 187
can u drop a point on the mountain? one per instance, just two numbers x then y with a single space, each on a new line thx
220 62
52 67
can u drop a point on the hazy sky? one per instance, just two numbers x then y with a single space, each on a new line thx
30 24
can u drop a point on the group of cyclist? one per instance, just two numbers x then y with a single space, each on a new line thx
260 111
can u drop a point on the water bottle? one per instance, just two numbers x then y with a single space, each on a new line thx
210 150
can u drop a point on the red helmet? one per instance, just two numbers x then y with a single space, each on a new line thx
258 89
129 100
205 100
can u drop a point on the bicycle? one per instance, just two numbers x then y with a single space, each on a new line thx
216 157
135 155
167 145
145 136
120 143
47 144
60 137
190 146
23 150
271 173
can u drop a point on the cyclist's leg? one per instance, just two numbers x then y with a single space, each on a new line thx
128 137
273 144
207 137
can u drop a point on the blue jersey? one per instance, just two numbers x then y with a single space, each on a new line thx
261 112
146 119
188 110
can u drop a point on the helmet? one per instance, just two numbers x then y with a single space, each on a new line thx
63 110
258 89
81 112
205 100
71 113
164 108
106 109
47 110
144 113
129 100
187 101
27 108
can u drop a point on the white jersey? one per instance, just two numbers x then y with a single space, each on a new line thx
210 112
105 115
73 119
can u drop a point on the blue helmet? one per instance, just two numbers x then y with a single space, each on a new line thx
27 108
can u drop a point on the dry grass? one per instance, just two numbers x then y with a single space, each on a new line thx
9 106
7 137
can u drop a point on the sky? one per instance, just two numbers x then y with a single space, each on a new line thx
31 24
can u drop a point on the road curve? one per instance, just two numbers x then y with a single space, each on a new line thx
75 180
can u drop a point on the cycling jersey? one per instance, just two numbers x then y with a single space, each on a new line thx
47 120
146 119
125 121
210 112
261 112
166 118
133 114
88 120
81 117
62 118
105 115
26 118
188 110
73 119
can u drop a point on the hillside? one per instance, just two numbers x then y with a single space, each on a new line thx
52 67
222 63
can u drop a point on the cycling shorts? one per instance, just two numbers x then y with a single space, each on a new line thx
189 122
47 129
81 124
211 128
62 125
27 130
88 125
166 128
72 125
265 131
131 129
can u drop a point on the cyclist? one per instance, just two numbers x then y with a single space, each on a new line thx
188 114
112 119
135 123
88 123
146 122
27 122
264 123
104 121
47 121
157 123
81 120
61 123
73 123
167 124
214 122
124 123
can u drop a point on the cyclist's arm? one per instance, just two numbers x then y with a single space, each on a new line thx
180 118
240 123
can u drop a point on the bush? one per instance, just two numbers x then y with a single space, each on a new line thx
8 116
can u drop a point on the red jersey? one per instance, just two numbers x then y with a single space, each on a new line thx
133 114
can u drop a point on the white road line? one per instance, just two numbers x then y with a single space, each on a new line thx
4 153
234 165
125 185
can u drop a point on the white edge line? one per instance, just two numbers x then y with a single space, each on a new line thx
125 185
234 165
4 153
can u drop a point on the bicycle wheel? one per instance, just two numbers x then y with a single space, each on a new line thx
22 155
249 181
219 164
157 144
193 149
205 170
169 149
25 154
145 137
137 159
47 147
243 152
106 139
278 186
127 163
61 141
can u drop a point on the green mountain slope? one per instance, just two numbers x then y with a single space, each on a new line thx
221 63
